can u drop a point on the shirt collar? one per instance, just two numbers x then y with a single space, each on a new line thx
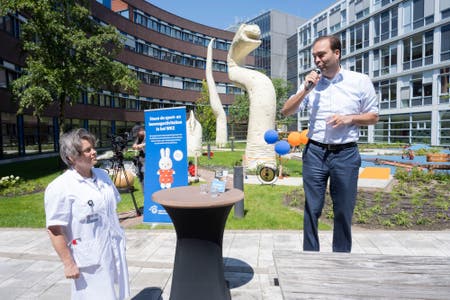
337 78
80 178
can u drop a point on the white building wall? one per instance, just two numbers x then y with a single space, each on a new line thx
368 11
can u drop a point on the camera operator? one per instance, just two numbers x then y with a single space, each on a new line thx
139 160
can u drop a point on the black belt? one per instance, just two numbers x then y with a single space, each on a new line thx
333 147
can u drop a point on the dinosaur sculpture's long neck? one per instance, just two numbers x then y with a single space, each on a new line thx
262 100
214 100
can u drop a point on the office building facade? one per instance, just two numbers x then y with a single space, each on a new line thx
276 27
404 47
167 52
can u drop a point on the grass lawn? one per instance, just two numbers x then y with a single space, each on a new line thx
263 203
23 211
228 159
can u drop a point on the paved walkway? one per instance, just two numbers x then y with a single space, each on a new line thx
30 269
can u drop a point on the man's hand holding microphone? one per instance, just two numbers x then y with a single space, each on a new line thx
291 105
311 79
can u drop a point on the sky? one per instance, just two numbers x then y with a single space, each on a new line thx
223 13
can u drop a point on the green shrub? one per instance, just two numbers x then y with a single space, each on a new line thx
9 181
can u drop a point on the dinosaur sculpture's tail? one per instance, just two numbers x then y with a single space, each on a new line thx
216 104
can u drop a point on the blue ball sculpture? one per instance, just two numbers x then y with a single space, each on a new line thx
282 148
271 136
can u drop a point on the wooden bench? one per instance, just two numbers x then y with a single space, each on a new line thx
319 275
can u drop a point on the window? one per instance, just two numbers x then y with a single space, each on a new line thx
148 78
445 43
444 90
399 130
446 13
421 128
384 60
131 104
173 31
416 14
381 130
10 24
421 91
3 80
93 99
362 13
444 127
387 89
320 26
177 57
30 134
105 100
334 19
94 127
193 86
304 36
7 77
360 8
362 63
343 17
221 67
343 43
359 36
124 13
172 82
9 134
379 3
385 25
305 59
233 90
405 96
130 42
418 50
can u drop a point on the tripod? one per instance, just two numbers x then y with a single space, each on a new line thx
118 167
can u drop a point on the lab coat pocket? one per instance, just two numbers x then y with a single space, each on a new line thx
87 253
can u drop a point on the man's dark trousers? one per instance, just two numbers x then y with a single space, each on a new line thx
342 168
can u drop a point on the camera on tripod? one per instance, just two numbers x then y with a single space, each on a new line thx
119 143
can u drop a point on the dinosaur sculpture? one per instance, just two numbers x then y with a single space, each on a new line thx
216 104
261 93
193 135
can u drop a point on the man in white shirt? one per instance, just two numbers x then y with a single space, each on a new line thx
338 101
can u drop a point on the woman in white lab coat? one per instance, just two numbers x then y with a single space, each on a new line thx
81 218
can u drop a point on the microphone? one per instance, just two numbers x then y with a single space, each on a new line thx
309 84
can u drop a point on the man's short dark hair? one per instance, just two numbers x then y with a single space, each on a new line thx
335 42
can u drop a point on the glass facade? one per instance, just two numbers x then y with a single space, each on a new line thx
404 46
262 53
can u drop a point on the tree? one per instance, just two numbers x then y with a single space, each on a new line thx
67 52
238 111
282 88
240 108
205 114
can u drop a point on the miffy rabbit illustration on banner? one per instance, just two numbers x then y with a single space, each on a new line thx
165 171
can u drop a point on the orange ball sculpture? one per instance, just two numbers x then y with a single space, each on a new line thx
303 137
294 138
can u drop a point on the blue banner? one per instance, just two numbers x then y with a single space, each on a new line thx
165 157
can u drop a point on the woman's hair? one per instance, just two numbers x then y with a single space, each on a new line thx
70 144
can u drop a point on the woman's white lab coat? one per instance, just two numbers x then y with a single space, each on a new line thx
86 207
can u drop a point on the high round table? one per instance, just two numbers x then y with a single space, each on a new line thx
199 221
